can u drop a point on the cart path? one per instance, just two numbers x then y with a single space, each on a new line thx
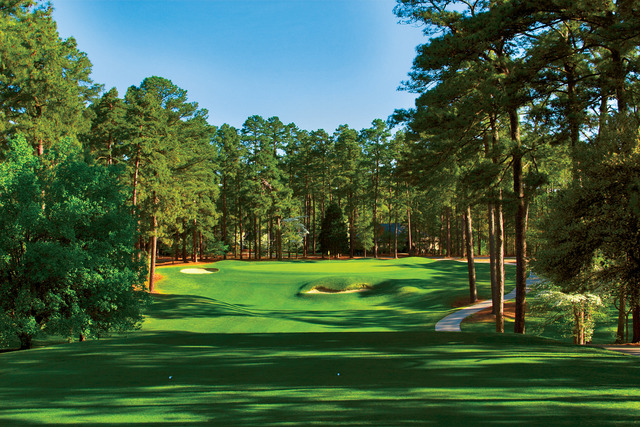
451 323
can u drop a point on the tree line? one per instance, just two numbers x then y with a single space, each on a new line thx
530 109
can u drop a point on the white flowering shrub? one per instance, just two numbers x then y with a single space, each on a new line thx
577 313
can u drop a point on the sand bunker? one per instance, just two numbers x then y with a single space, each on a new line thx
198 270
323 290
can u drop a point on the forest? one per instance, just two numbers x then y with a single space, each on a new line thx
523 142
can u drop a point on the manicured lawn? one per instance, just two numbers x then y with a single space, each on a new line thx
242 347
256 297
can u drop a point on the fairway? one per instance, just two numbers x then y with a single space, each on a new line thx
246 346
257 297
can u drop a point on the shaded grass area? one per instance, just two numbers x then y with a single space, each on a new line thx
385 378
244 347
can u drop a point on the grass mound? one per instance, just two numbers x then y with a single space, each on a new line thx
335 285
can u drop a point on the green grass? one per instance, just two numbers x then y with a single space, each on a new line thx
243 347
256 297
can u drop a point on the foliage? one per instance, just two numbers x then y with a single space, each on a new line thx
333 233
67 260
44 80
576 312
293 232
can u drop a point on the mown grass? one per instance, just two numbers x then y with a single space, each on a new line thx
254 297
243 347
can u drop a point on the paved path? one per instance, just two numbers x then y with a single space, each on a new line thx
632 350
451 323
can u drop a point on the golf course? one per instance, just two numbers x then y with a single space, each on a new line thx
245 343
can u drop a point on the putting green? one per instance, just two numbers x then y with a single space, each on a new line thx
354 359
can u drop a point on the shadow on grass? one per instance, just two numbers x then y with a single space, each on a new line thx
184 307
388 378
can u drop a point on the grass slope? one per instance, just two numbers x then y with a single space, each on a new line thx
281 366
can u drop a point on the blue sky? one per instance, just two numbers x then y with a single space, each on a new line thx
316 63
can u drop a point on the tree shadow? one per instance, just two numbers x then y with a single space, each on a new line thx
388 378
174 306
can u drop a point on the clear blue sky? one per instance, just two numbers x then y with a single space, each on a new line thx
316 63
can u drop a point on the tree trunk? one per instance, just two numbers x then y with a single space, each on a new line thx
136 170
389 239
622 316
256 240
492 257
279 238
499 234
577 329
352 233
441 243
109 150
604 106
636 322
395 239
194 256
409 228
235 241
619 77
307 210
473 291
225 213
461 236
26 341
448 210
184 240
520 225
313 207
375 222
152 253
241 231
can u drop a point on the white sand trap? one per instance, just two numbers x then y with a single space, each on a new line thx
350 291
198 270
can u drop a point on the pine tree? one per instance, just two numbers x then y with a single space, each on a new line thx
44 80
333 233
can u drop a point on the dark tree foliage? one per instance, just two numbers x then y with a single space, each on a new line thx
591 241
67 261
333 232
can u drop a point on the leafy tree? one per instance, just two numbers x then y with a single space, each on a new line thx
576 312
333 232
67 261
293 233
